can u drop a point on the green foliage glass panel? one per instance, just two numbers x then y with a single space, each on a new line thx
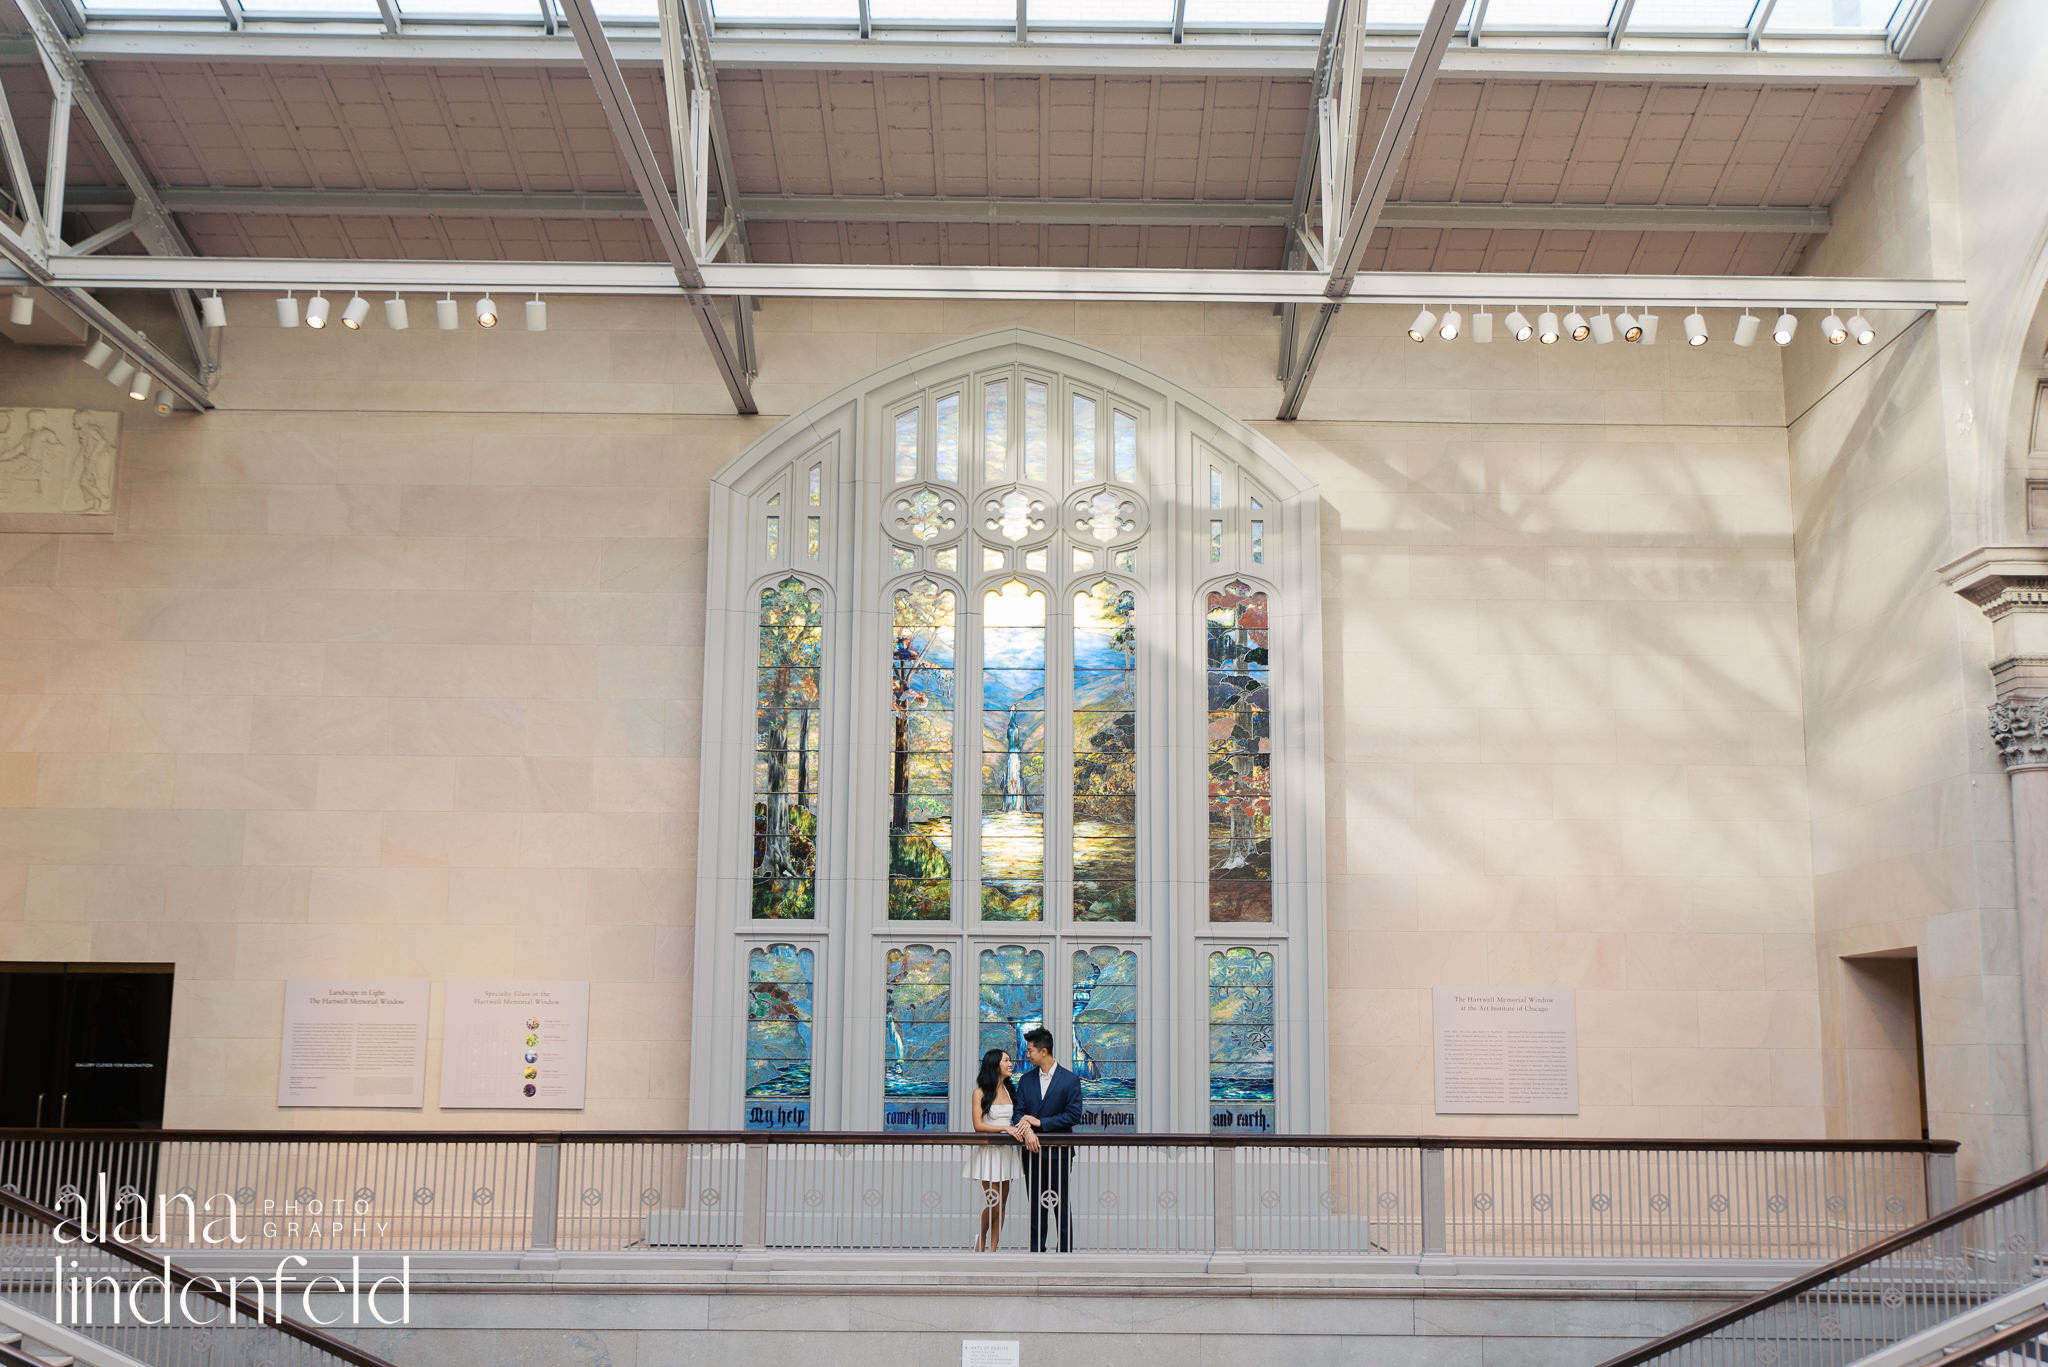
1106 1037
921 754
1240 757
779 979
786 747
917 1026
1012 984
1241 1041
1105 754
1013 753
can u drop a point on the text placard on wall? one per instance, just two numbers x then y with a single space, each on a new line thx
515 1045
353 1043
1506 1051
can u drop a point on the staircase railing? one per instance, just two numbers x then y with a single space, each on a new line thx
148 1287
1859 1304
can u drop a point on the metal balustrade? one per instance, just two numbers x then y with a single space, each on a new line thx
740 1192
1943 1274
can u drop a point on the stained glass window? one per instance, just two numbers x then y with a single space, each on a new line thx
995 428
1012 999
947 445
1106 1037
786 753
1013 753
1240 758
1126 448
921 763
1084 439
902 559
1241 1042
779 979
1258 533
917 1026
1105 754
1035 405
906 445
948 559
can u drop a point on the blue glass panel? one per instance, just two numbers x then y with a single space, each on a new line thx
1241 1014
1012 992
1106 1037
779 979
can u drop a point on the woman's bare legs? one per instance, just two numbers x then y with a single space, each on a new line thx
1002 1206
991 1228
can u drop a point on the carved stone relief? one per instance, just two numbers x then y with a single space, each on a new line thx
56 464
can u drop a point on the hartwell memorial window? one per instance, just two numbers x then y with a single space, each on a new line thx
1027 641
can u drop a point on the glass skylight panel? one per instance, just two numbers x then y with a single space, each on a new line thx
943 11
1691 16
209 9
465 9
786 11
628 9
1587 15
1410 14
1257 13
318 9
1831 16
1103 13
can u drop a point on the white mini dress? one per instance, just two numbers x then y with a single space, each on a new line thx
998 1161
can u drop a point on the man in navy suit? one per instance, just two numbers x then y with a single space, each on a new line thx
1049 1101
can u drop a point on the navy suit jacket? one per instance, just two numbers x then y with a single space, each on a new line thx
1057 1104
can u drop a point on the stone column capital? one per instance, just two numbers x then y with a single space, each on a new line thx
2019 728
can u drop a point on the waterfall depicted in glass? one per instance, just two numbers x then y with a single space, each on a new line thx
1240 757
1012 999
1106 1037
1013 753
786 753
917 1025
1105 754
779 979
921 755
1241 1042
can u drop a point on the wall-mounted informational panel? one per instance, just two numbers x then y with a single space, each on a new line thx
353 1043
515 1046
1506 1051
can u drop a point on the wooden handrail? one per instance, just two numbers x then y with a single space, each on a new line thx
1294 1141
1827 1272
207 1287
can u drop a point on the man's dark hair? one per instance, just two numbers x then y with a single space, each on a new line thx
1040 1038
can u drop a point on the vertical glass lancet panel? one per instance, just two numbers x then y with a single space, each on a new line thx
1126 471
1012 999
817 480
946 445
1258 533
995 428
1106 1038
917 1032
1105 754
1035 417
786 753
774 534
1241 1042
1240 757
1215 487
1013 753
811 536
921 759
1215 540
779 980
906 445
1084 439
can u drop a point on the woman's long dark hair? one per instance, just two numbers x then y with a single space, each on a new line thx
991 1078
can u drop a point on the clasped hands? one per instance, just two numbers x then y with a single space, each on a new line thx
1025 1132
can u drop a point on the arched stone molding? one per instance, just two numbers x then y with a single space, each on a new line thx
1207 501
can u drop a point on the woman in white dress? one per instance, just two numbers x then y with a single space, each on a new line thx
995 1166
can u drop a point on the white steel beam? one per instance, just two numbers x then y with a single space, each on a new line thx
18 175
1790 61
999 282
638 153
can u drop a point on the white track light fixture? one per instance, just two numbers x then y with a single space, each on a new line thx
1482 326
287 312
395 316
444 314
1453 324
1625 323
138 388
316 311
358 309
487 312
96 355
213 310
536 314
1782 330
1746 327
1648 322
1695 329
1575 323
1834 329
1424 324
1603 328
122 369
165 402
1518 326
1547 329
1861 330
21 310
